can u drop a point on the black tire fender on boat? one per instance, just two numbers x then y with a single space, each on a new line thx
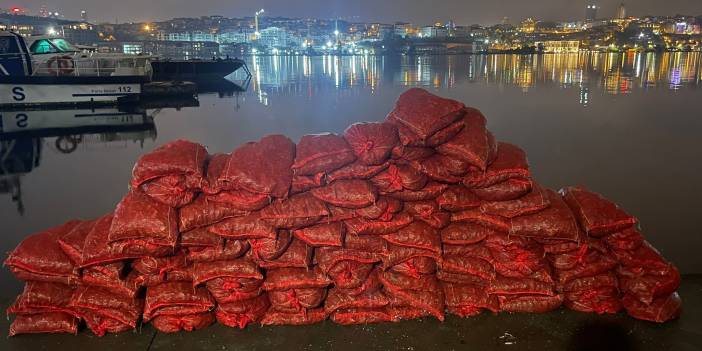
64 65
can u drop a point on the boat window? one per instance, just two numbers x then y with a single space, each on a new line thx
42 46
8 45
63 45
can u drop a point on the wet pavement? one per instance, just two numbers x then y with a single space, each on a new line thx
559 330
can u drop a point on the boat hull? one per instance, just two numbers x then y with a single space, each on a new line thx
23 94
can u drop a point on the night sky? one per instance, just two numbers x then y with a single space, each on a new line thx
418 12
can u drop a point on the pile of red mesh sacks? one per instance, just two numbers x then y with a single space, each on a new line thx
417 216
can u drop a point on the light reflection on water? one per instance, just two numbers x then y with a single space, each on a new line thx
627 126
611 72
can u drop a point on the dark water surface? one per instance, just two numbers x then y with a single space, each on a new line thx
628 126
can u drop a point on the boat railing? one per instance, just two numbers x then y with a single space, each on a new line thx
66 65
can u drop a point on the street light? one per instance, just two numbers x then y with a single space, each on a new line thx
336 32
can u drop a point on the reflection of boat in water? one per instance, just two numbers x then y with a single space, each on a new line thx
24 135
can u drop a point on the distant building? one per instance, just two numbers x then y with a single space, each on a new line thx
84 15
591 12
273 37
435 32
179 50
621 11
402 29
559 46
80 33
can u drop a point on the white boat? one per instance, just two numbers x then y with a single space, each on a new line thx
50 71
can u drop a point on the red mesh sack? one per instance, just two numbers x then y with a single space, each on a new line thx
180 157
110 276
331 234
395 255
442 168
339 299
373 244
595 300
98 249
626 240
42 297
354 316
458 198
349 274
317 153
477 216
416 266
397 281
169 190
467 300
423 113
297 255
347 193
648 284
356 170
467 265
73 241
431 191
519 286
511 162
176 298
187 322
306 317
424 293
200 237
478 250
399 177
510 189
302 183
530 303
138 216
297 211
535 201
295 278
418 235
296 300
362 226
203 212
50 322
604 280
461 279
105 303
160 265
40 257
445 134
171 172
262 167
241 228
329 257
237 268
242 313
411 153
593 263
383 209
240 199
660 310
101 325
643 256
228 289
231 249
270 249
399 313
214 182
597 215
474 143
372 142
556 222
465 233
